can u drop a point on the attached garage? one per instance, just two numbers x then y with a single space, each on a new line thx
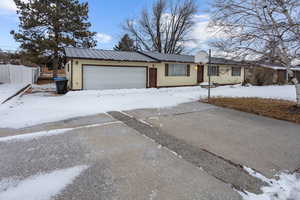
114 77
95 69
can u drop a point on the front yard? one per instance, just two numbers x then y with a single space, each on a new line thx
278 109
43 107
8 90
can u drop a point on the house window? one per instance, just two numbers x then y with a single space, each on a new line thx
213 71
68 67
177 70
236 71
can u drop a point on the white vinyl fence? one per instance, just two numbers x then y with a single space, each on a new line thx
18 74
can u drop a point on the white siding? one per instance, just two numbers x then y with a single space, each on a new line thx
18 74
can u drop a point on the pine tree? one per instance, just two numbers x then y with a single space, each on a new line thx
47 26
125 44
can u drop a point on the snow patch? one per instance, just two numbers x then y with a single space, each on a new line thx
42 186
153 194
35 135
204 83
7 90
257 175
285 187
44 88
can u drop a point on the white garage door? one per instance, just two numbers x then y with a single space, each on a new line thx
111 77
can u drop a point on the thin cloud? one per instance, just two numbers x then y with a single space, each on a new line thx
103 38
201 34
8 5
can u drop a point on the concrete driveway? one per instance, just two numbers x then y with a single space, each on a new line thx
264 144
122 164
191 151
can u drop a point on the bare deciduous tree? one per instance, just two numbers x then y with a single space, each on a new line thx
260 29
163 29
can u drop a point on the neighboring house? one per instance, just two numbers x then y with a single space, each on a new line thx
108 69
297 71
267 74
224 71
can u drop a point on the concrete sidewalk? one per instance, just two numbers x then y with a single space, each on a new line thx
264 144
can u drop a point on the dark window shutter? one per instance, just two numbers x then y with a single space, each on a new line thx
188 70
166 69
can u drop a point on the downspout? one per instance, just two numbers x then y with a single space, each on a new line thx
71 74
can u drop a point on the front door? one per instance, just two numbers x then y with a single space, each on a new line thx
200 73
152 77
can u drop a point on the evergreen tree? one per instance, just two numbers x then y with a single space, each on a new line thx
47 26
125 44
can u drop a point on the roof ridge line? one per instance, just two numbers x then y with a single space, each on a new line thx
174 54
97 49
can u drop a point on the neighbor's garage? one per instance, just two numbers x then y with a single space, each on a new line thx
114 77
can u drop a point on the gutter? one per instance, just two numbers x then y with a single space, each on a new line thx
156 61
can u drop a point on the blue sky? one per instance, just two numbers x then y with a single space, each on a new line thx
106 17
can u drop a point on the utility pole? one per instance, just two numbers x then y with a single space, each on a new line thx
209 74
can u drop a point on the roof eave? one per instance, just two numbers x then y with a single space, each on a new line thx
176 61
100 59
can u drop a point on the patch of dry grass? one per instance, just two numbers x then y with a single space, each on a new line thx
278 109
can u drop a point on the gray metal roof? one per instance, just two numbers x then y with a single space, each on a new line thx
169 57
216 60
85 53
142 56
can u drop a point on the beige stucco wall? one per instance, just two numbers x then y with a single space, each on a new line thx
224 75
68 72
162 80
77 68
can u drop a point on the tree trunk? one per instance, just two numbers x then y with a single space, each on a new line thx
298 94
56 37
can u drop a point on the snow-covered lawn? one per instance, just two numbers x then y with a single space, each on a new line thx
37 108
41 186
7 90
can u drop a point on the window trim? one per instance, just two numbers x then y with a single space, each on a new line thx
232 71
187 70
209 68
